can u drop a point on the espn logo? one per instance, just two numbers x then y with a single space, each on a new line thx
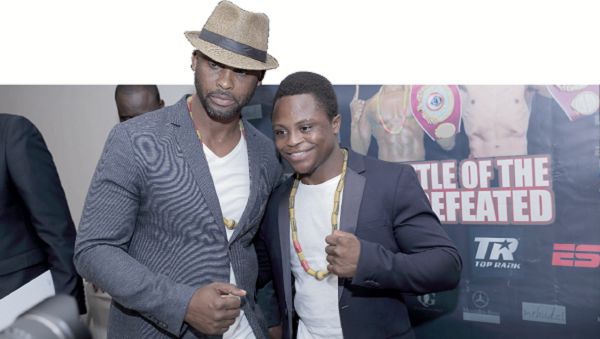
573 255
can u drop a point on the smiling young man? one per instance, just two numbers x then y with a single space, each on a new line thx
178 196
348 233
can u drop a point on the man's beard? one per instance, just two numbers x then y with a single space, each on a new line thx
223 116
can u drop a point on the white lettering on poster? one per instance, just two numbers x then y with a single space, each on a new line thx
463 193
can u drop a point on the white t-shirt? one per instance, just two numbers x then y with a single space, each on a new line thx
316 302
231 177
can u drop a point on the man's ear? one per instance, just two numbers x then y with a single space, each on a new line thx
162 103
337 123
194 60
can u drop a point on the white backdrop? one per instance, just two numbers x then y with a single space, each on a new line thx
374 41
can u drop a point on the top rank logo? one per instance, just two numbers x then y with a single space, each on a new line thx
496 253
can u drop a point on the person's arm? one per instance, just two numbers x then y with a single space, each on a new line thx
101 253
36 179
427 261
360 130
106 228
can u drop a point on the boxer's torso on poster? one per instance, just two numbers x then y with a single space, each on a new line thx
496 119
399 137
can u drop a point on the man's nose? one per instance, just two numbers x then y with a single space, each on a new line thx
294 138
225 80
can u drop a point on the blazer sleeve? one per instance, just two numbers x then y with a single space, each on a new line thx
35 177
106 228
427 260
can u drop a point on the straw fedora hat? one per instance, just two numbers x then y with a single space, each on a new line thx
235 37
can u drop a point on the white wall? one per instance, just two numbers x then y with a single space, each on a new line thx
365 41
75 121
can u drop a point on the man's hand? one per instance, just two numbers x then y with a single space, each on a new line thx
342 251
214 308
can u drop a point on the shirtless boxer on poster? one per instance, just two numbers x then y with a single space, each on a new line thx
495 118
387 117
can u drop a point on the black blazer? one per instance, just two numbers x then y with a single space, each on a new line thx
403 249
36 229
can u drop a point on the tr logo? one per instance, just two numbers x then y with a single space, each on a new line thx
501 248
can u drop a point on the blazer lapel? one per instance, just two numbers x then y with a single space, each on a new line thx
284 242
353 190
185 134
354 186
254 166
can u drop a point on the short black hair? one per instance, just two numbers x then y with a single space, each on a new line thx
131 89
310 83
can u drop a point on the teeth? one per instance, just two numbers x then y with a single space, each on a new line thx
297 154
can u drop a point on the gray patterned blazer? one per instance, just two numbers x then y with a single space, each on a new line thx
151 232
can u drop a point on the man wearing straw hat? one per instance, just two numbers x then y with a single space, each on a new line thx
178 195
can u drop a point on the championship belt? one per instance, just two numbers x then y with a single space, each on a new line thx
576 100
437 109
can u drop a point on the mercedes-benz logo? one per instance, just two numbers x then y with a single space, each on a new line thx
480 299
427 299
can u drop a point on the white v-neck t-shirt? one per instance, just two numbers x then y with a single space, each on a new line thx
231 177
316 302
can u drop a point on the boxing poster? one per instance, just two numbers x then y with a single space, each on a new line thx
513 174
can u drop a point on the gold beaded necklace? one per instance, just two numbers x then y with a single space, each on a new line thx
230 224
319 275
